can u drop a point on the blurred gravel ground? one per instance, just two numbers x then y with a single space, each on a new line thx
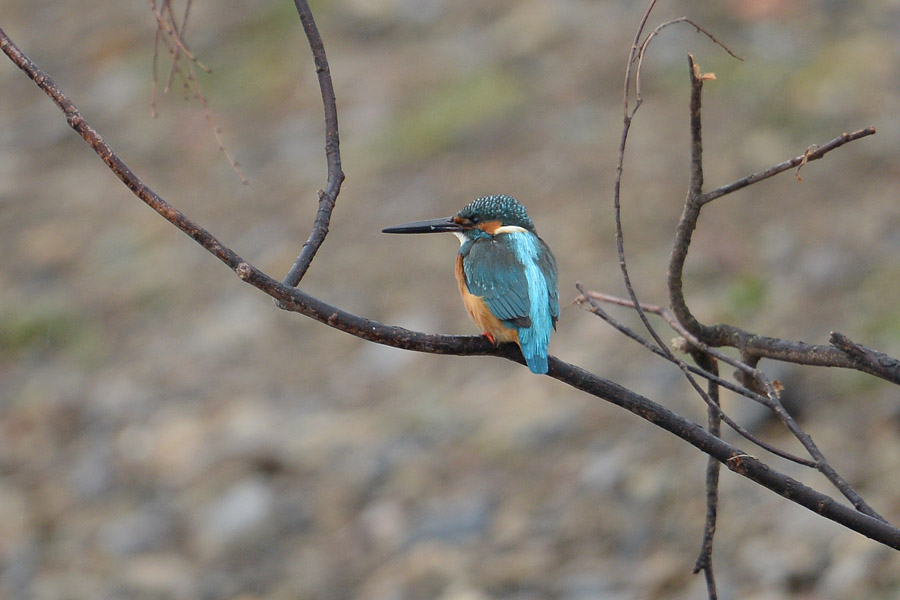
165 432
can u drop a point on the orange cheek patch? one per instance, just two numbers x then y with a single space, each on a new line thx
490 227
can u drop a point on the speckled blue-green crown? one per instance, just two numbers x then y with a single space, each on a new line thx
505 209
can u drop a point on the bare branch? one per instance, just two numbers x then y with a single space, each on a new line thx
590 298
637 52
637 55
870 359
683 234
813 153
328 196
295 300
691 212
752 346
636 49
743 464
704 559
771 399
656 31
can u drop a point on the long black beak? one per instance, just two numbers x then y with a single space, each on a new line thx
431 226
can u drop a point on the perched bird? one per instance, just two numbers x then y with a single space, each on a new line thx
506 273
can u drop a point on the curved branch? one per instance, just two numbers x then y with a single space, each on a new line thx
296 300
328 196
636 57
655 32
724 335
751 345
684 231
754 347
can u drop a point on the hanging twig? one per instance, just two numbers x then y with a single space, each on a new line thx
171 34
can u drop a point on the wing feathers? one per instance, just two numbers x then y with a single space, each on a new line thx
515 275
494 272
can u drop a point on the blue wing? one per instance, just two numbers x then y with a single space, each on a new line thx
494 272
547 264
515 274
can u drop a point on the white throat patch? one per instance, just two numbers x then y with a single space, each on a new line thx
510 229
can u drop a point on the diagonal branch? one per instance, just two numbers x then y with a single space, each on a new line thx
731 457
813 153
867 359
576 377
593 298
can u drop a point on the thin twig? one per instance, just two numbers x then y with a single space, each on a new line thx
171 30
589 300
596 309
656 31
171 34
815 153
635 50
638 51
153 94
675 324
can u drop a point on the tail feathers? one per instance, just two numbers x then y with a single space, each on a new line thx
537 363
534 349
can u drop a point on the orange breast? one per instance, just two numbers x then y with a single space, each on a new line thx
478 310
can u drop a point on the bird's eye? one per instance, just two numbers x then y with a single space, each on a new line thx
473 220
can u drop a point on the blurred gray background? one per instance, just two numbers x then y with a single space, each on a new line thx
166 432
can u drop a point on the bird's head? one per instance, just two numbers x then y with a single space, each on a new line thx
487 216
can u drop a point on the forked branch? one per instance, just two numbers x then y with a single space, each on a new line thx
701 340
296 300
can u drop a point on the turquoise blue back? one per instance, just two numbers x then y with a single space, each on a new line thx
515 273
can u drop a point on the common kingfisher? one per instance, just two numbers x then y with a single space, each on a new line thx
506 273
